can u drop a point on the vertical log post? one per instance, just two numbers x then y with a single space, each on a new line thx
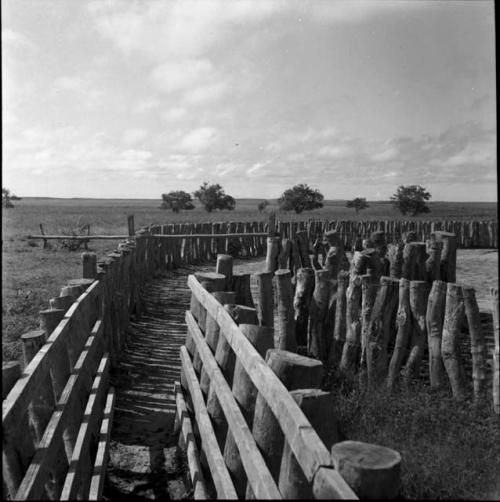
295 372
433 263
372 471
339 333
265 305
89 265
318 309
131 225
477 345
369 289
419 292
395 256
245 394
434 319
225 267
404 327
453 319
319 409
226 360
284 254
285 336
272 251
241 286
496 353
303 295
379 329
448 255
303 245
350 352
45 241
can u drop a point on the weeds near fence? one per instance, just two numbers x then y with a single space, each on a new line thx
449 450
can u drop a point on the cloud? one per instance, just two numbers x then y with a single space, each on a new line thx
174 114
134 135
89 94
11 38
178 75
198 139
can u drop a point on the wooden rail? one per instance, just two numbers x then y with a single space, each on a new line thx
311 454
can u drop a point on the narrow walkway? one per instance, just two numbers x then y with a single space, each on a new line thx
143 462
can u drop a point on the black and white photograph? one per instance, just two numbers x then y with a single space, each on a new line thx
250 250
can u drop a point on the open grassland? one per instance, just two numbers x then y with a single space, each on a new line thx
31 275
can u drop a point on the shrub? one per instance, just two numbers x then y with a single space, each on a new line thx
176 200
213 197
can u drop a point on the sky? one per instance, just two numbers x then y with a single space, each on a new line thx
131 99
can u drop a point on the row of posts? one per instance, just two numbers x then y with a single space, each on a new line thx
370 470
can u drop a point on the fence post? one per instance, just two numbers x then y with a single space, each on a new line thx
448 255
303 295
339 332
353 325
319 410
89 265
265 305
285 337
272 254
453 318
240 284
245 394
318 308
294 371
496 353
225 267
372 471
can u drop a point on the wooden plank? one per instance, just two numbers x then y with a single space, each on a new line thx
38 471
102 455
193 455
80 469
220 475
305 443
258 474
21 395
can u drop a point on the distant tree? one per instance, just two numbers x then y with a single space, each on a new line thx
358 203
177 200
262 205
411 199
213 197
300 198
8 197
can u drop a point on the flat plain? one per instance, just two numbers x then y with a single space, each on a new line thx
31 275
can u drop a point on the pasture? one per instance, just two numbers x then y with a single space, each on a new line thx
31 275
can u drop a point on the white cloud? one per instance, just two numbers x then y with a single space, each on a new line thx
17 40
198 139
384 155
174 114
173 76
89 94
134 135
146 105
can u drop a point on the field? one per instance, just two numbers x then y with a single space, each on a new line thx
449 452
31 275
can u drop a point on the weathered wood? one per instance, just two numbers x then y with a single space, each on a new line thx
48 461
419 293
217 280
224 266
303 246
131 225
317 313
379 329
302 299
477 345
284 254
102 455
372 471
434 319
328 484
252 461
409 261
395 256
89 265
61 302
318 408
453 320
352 345
11 371
271 225
272 251
404 324
496 353
49 319
339 333
285 336
220 475
433 262
80 470
304 442
448 255
241 286
265 305
294 371
32 342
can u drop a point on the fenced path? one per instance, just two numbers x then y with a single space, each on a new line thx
143 461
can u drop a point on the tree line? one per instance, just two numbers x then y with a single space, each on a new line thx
409 199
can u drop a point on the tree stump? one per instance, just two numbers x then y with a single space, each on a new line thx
241 286
224 266
372 471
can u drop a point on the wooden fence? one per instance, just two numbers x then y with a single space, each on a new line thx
57 411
